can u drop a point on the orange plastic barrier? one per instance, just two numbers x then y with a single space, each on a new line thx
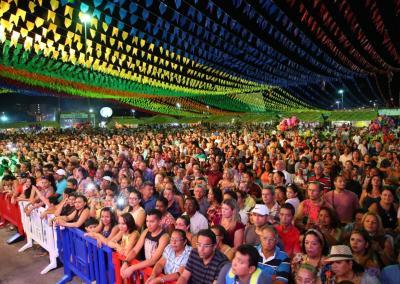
10 213
139 277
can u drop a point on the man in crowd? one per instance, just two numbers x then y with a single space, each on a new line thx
205 262
259 216
153 241
288 233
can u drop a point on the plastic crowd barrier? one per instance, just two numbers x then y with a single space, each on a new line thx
10 213
40 231
139 277
82 258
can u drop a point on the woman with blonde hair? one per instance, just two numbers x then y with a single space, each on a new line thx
382 243
231 222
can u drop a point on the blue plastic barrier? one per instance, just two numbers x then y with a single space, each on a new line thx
82 258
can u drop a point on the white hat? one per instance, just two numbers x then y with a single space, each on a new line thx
339 252
260 209
61 172
108 178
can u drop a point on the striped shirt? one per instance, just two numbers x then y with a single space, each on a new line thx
205 274
173 262
277 266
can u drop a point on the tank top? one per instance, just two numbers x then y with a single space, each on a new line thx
76 218
389 217
151 244
368 201
311 210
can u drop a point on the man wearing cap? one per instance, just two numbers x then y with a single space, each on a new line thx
252 232
61 182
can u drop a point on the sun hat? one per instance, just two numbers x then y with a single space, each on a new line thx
340 252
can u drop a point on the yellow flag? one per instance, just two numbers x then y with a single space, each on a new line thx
78 27
24 32
105 26
14 19
54 4
120 45
39 22
79 46
53 28
103 38
51 16
14 38
67 22
112 41
68 11
114 31
28 43
124 35
128 48
4 7
21 14
92 33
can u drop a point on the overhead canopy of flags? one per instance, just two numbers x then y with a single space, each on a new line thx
214 57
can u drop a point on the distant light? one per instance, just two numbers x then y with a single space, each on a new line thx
341 91
178 105
133 111
4 118
86 18
208 107
337 102
106 112
103 124
91 110
233 120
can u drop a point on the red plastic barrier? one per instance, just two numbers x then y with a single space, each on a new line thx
10 212
117 266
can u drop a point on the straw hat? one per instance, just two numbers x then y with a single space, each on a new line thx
340 252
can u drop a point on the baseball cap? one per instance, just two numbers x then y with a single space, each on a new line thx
108 178
61 172
260 209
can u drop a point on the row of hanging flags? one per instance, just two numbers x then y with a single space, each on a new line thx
154 55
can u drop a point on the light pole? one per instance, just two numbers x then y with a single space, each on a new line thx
337 102
341 92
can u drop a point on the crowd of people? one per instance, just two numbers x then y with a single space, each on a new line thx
220 205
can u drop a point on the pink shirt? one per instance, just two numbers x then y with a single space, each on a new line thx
344 203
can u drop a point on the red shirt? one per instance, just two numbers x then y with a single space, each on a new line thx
290 240
214 178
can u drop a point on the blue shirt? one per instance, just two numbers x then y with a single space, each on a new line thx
278 265
61 186
149 204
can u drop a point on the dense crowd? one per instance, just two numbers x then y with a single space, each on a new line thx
222 205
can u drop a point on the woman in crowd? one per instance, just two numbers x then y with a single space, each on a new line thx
183 223
363 253
345 269
381 243
386 209
231 222
173 260
314 250
372 193
78 217
214 210
222 246
134 208
329 225
107 228
127 236
293 195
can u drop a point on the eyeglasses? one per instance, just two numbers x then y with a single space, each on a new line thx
175 240
304 280
268 240
199 245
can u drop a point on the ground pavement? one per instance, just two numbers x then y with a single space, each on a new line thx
24 267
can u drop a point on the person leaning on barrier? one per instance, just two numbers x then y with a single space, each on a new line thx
153 240
173 261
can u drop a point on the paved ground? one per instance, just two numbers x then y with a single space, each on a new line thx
24 267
